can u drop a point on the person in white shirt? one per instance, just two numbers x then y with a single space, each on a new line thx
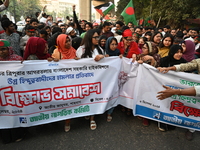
44 18
91 49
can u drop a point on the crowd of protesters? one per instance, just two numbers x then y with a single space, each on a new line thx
43 39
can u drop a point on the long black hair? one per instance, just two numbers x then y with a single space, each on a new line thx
87 42
155 33
167 35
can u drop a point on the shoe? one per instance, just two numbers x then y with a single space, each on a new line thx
93 125
145 122
67 128
162 127
109 118
18 140
189 135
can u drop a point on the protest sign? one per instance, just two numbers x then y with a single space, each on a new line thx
39 92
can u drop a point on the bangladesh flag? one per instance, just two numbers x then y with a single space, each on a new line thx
129 14
141 21
147 22
104 8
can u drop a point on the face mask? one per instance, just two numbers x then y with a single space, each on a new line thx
140 45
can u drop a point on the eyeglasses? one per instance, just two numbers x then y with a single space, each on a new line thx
129 40
63 28
96 37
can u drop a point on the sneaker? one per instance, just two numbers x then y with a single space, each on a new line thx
109 118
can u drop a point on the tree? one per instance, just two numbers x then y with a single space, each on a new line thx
172 12
175 12
23 8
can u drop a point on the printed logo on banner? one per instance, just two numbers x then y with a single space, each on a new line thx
22 120
156 114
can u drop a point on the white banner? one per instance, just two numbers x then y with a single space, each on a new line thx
182 111
39 92
127 79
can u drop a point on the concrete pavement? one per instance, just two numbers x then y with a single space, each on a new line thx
122 133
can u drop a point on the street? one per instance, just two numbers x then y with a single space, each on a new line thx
122 133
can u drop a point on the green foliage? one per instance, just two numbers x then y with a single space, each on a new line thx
172 12
24 8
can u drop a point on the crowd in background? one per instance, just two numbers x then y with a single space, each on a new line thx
43 39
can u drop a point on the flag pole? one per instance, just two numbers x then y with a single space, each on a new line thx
150 8
158 22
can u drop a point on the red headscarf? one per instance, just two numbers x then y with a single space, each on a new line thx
133 47
127 33
36 46
66 53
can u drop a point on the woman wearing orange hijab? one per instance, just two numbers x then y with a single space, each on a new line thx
64 49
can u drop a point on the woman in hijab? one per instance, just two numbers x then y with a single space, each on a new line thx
111 50
174 58
128 48
36 49
64 49
111 47
188 50
149 54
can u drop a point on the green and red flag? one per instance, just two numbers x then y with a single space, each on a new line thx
147 22
141 21
129 13
104 8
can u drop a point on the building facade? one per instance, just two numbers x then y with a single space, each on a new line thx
83 7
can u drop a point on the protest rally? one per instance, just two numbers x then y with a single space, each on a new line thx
66 65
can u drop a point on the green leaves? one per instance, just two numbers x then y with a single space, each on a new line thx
24 8
172 12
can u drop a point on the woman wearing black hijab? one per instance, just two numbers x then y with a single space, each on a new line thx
174 57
